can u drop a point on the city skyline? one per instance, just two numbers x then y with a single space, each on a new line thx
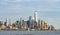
33 23
48 10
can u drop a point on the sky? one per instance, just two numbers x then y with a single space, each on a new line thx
48 10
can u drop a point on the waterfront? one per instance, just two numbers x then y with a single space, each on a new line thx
29 32
33 23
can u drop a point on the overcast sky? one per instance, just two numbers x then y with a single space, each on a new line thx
48 10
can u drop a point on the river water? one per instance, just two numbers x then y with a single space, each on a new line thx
29 32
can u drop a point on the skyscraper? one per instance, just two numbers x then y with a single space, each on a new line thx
30 21
35 16
10 22
7 22
20 22
39 24
42 25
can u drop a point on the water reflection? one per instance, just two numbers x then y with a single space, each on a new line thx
29 32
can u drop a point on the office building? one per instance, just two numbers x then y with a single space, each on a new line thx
35 19
42 25
22 27
10 22
25 25
30 21
3 26
51 27
7 22
21 22
1 23
39 24
45 26
35 16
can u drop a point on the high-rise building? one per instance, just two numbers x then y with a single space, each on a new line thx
33 22
45 26
38 21
3 26
20 22
1 23
7 22
51 27
35 19
35 16
42 25
10 22
39 24
30 18
25 25
30 21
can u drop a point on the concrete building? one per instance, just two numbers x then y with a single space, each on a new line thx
45 26
30 21
1 23
51 27
10 22
7 22
35 16
24 25
42 25
33 24
21 22
3 26
35 20
39 22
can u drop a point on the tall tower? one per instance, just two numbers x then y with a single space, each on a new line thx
35 16
10 22
30 21
20 22
7 22
35 20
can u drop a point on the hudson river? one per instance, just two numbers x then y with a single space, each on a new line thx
29 32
